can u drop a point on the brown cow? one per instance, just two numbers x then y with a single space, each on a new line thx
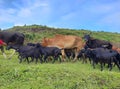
64 42
116 48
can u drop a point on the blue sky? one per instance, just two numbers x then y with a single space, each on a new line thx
96 15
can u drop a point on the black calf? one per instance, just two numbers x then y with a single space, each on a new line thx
102 56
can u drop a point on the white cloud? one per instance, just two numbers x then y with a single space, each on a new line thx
68 16
30 13
11 11
31 8
19 24
24 12
40 4
7 15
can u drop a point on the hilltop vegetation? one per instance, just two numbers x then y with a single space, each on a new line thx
34 33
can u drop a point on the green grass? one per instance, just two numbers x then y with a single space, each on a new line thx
67 75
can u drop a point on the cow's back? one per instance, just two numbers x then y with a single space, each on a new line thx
12 37
63 41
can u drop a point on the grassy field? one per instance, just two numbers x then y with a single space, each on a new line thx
67 75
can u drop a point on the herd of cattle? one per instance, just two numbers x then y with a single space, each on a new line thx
61 46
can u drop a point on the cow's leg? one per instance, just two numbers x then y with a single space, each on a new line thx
89 60
63 54
101 66
76 54
12 54
109 62
54 58
110 66
72 56
93 63
84 58
20 59
59 59
27 60
117 63
32 59
36 60
45 58
93 60
40 57
2 50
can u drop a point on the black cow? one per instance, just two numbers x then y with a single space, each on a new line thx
37 51
70 54
27 51
32 51
47 51
94 43
50 51
83 56
14 38
102 56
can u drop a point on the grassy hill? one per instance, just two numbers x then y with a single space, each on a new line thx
34 33
66 75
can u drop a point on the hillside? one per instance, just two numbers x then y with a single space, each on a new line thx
34 33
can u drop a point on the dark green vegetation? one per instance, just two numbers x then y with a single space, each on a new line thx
66 75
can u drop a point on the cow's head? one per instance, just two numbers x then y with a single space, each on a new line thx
86 37
18 38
